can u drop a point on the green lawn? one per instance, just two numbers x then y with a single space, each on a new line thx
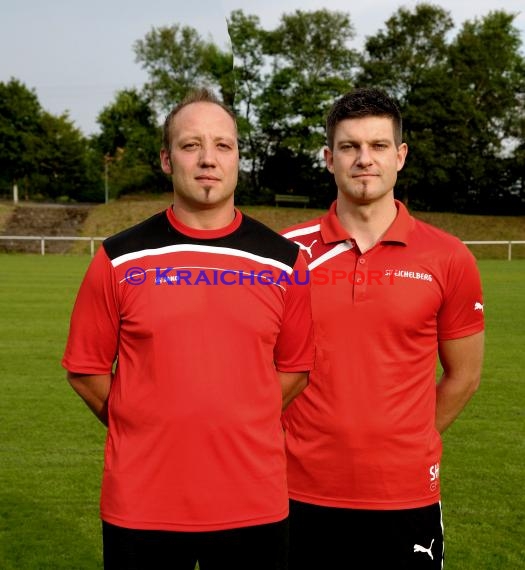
51 446
483 462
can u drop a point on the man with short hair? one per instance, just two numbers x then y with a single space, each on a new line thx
389 294
189 335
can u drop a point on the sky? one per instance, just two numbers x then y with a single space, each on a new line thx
77 55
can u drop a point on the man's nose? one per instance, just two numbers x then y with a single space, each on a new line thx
365 157
207 156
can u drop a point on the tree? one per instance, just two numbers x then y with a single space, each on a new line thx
286 79
458 101
62 157
311 67
251 73
20 116
462 98
489 76
130 141
409 60
517 165
44 154
218 66
400 57
280 87
177 60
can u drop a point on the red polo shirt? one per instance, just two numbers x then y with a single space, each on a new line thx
362 435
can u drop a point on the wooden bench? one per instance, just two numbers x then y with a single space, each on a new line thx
292 199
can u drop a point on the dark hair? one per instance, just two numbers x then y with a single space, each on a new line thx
201 95
363 102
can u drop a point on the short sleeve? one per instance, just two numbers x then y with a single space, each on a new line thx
94 328
294 350
461 313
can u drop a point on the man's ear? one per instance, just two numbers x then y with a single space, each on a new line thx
329 159
165 161
402 152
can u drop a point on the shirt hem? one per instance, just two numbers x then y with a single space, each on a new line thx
296 368
189 527
462 333
83 369
379 505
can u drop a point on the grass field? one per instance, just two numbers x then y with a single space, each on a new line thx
51 447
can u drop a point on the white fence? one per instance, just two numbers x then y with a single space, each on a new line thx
43 239
509 245
92 240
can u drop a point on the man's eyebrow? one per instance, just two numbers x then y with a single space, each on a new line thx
373 141
198 137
